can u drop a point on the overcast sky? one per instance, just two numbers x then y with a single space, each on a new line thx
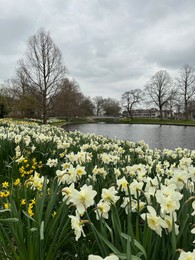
108 46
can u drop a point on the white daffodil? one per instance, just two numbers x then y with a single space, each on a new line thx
33 148
66 192
155 222
61 175
185 162
123 184
71 157
77 225
168 198
62 145
18 151
68 175
84 157
99 171
106 158
52 162
180 178
193 231
132 205
27 140
168 190
170 220
80 171
187 255
193 206
66 166
136 187
18 138
109 195
102 210
191 171
129 170
83 199
169 205
150 193
117 172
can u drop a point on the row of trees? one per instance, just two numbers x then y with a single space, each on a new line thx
163 92
18 100
42 89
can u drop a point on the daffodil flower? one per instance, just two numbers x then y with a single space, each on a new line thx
155 222
83 199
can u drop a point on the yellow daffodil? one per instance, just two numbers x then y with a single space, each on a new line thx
5 184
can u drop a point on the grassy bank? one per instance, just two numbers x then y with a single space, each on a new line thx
118 120
157 121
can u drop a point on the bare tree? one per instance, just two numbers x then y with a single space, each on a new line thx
130 99
98 103
186 86
42 69
160 89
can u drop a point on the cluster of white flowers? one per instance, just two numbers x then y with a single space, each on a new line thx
70 174
131 176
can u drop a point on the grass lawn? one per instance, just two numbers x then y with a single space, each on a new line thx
118 120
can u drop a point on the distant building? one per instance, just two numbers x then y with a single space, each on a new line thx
148 113
192 110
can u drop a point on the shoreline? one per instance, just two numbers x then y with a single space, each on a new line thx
189 123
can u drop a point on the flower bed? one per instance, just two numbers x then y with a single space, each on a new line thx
71 195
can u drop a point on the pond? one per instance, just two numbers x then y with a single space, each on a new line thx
157 136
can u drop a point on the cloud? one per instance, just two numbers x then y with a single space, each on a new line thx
108 46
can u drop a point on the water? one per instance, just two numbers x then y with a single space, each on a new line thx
157 136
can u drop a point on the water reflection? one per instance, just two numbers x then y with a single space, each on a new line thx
157 136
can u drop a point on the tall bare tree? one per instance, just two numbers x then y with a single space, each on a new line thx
130 99
160 90
186 86
43 69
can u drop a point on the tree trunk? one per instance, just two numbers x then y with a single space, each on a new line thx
130 113
44 109
161 114
186 111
